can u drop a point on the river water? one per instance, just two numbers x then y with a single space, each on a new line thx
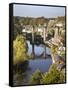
37 49
41 64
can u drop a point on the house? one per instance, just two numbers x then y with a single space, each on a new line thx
27 29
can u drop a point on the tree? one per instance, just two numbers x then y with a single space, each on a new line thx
62 36
35 78
17 27
19 49
53 76
54 50
50 28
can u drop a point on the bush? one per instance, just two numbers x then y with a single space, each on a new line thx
35 78
53 76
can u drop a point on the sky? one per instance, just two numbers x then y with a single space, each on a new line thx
37 11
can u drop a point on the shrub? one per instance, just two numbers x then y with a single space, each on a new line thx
35 78
53 76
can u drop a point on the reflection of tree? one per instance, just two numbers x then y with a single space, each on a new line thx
19 72
21 67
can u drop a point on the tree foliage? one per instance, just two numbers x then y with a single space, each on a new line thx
35 78
53 76
54 49
19 49
17 27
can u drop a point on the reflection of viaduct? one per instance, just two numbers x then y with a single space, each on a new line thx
44 38
33 37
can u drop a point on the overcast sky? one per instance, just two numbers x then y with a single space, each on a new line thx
37 11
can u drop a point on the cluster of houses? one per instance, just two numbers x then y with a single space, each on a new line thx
37 29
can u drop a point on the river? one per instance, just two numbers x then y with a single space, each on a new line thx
42 64
38 49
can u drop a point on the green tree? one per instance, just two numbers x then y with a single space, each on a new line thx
53 76
19 49
17 27
54 49
35 78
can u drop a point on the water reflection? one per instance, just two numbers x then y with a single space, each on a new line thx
42 64
37 49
